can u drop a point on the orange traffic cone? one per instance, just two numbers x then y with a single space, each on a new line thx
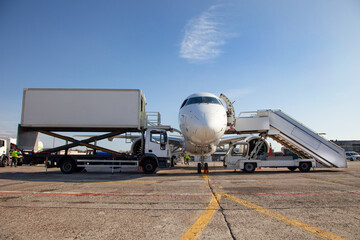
271 154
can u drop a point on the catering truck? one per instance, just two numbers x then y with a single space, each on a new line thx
106 112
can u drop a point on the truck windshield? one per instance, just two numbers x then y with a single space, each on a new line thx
240 150
159 138
202 100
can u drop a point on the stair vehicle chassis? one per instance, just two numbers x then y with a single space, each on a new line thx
238 157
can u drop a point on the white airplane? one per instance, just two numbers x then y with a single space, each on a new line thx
203 121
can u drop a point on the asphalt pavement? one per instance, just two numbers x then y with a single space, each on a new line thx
178 203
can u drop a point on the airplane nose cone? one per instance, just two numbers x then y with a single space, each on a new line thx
210 129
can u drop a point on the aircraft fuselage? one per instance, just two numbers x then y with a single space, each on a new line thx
203 121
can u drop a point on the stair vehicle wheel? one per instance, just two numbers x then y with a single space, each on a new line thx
149 166
249 167
292 168
67 166
304 166
199 168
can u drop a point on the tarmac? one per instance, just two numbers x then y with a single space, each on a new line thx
178 203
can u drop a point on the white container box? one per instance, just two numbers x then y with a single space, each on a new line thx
80 109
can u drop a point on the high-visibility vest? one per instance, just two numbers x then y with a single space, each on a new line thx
15 154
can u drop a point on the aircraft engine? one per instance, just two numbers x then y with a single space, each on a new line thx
136 147
252 140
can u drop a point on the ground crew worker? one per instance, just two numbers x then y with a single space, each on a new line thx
187 157
14 157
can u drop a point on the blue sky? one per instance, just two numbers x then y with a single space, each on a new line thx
302 57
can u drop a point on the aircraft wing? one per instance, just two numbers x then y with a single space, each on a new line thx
131 136
176 141
231 139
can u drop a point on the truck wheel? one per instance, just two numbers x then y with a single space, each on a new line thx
292 168
304 166
199 168
149 166
67 166
249 167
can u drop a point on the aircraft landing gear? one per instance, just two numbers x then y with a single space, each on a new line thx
203 165
206 168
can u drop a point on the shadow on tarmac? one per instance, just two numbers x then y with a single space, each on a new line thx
55 175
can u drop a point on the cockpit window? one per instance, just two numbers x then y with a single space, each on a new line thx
202 100
183 103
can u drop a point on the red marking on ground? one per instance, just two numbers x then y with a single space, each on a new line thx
104 194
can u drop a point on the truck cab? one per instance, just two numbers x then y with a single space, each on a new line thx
238 151
157 144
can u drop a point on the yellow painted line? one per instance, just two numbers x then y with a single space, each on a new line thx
298 181
206 177
303 226
199 225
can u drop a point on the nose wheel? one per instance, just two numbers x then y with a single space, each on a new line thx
205 166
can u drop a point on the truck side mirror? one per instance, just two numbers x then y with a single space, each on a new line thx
162 141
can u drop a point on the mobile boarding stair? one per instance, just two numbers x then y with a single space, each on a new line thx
293 135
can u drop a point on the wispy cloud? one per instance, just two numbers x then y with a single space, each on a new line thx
203 37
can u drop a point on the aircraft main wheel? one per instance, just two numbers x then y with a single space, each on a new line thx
292 168
304 166
249 167
172 162
199 168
